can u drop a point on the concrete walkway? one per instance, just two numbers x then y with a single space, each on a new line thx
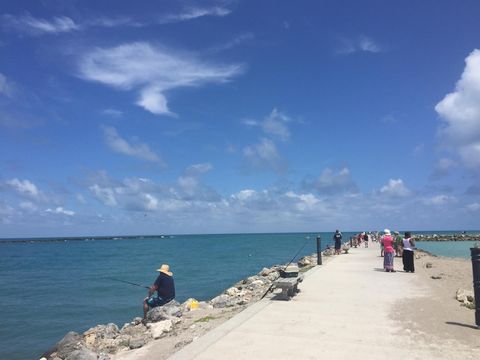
342 312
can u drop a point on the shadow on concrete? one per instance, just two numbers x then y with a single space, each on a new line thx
462 325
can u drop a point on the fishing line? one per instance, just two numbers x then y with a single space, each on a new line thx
273 283
131 283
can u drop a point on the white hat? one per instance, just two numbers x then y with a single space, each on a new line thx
165 269
386 231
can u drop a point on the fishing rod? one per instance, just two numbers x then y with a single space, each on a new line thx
131 283
273 283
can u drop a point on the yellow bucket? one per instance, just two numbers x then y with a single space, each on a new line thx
193 304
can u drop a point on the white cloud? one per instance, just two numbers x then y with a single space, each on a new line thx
304 201
30 25
194 13
347 46
473 206
395 188
263 155
152 70
232 43
197 169
24 187
330 182
460 111
439 200
28 205
443 167
112 112
61 211
104 194
6 87
274 125
120 145
367 44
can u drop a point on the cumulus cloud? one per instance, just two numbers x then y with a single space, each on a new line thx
443 167
460 112
30 25
122 146
473 206
24 187
439 200
152 71
331 182
190 186
347 46
61 211
105 195
395 188
263 155
274 125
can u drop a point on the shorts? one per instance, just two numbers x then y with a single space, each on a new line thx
157 301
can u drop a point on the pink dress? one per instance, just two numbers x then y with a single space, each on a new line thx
387 241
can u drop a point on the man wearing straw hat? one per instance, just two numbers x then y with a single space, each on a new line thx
165 288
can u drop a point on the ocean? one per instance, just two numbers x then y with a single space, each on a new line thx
48 288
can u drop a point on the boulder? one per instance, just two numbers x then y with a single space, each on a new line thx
136 342
222 301
70 342
82 354
233 291
428 265
167 311
465 296
265 272
160 328
305 261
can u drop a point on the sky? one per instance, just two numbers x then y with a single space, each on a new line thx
177 117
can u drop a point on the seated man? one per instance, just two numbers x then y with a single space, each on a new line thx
165 288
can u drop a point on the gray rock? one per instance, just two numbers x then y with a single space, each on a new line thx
165 312
136 342
429 265
82 354
70 342
161 328
220 301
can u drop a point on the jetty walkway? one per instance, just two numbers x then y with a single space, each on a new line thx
344 311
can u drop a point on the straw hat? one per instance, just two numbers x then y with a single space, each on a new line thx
165 269
386 231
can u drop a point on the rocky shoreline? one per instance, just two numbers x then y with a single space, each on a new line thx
448 237
106 342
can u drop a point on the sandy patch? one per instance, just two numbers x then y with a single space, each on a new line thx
439 318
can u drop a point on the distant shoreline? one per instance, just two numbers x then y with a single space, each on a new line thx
453 236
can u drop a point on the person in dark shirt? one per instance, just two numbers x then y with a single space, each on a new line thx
165 288
338 241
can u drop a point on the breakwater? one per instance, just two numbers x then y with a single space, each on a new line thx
448 237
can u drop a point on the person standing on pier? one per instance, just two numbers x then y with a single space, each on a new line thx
165 288
389 251
408 252
337 237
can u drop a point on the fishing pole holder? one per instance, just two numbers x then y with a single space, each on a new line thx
475 253
288 282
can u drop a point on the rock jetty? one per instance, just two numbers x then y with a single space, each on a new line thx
103 341
448 237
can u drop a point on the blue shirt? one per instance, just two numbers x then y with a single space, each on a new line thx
165 286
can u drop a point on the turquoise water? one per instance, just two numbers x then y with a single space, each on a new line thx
50 288
460 249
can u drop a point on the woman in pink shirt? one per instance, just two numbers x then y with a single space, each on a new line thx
389 251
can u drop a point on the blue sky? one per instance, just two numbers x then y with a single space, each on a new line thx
238 116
